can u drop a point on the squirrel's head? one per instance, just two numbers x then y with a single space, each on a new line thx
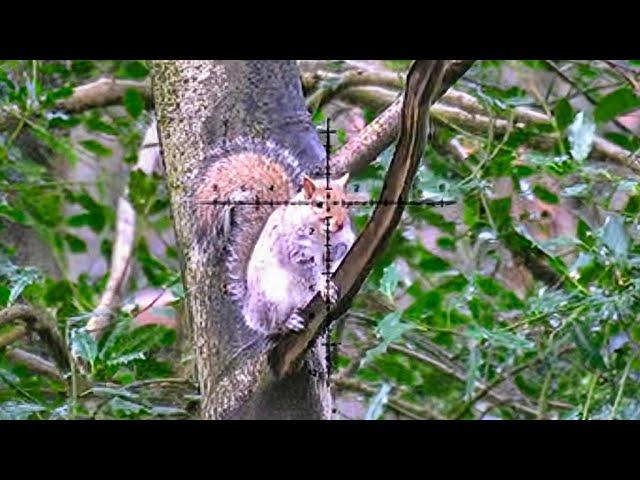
329 203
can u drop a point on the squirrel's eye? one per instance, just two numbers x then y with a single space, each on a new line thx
319 204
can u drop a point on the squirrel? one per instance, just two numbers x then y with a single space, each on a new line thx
272 222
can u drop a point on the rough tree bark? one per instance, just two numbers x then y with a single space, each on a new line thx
198 103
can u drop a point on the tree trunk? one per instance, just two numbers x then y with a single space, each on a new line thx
198 103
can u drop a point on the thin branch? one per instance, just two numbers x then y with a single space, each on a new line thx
102 93
464 111
400 406
585 94
148 158
331 84
15 334
624 74
34 362
379 134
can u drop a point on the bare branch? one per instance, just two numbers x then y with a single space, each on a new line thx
33 362
332 84
102 93
381 133
400 406
148 158
459 109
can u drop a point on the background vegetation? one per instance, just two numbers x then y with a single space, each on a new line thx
519 301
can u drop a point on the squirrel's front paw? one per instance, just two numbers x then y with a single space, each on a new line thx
330 292
295 322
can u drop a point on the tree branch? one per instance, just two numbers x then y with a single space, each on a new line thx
33 362
424 82
44 325
102 93
148 158
459 109
379 134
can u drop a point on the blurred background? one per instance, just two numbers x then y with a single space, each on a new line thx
519 301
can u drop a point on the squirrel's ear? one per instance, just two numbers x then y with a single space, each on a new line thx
308 186
342 181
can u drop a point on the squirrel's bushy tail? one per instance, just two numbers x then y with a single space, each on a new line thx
244 175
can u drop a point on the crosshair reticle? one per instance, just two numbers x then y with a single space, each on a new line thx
257 201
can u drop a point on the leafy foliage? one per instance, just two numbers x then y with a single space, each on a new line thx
520 301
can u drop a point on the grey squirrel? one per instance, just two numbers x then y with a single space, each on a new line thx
272 229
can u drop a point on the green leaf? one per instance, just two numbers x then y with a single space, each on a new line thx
76 245
96 148
19 278
545 195
581 134
13 410
389 281
389 329
590 352
84 346
499 339
133 102
614 235
563 114
132 69
377 403
125 409
621 101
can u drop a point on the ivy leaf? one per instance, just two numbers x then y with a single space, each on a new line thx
615 237
563 114
84 346
133 102
377 403
621 101
545 195
581 135
96 148
389 281
12 410
389 329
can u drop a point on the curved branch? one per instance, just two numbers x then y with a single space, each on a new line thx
332 84
424 82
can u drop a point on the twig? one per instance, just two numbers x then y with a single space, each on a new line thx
586 95
404 408
379 134
332 84
621 71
